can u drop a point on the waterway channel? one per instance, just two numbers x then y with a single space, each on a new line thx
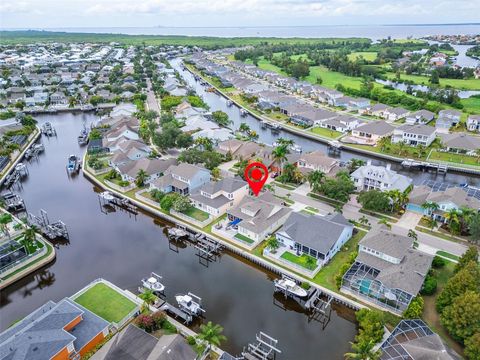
267 136
124 248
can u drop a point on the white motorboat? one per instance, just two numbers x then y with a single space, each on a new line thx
153 283
190 303
291 287
295 148
107 195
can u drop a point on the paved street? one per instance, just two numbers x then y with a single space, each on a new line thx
152 102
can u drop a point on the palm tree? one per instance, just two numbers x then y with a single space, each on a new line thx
205 142
311 262
4 220
315 179
148 297
384 221
401 147
382 143
452 216
279 154
363 220
285 142
29 235
363 350
430 206
215 173
354 164
394 196
211 334
273 244
244 128
433 223
142 176
412 234
465 216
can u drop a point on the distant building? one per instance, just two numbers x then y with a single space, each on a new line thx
371 177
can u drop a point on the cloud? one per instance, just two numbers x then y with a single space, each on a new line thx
16 7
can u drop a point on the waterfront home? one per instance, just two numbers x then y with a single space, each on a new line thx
419 117
63 330
58 98
461 143
241 150
473 123
395 114
124 109
374 110
216 197
258 217
318 236
387 271
153 167
216 135
121 130
198 122
412 339
358 103
341 123
447 119
128 150
370 133
133 343
182 178
414 135
318 161
313 116
446 200
371 177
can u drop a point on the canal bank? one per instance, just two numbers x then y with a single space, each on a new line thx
124 248
345 147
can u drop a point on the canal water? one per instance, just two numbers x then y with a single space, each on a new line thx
124 248
267 136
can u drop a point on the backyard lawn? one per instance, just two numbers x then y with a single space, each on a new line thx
327 133
196 214
302 260
243 238
106 302
454 158
326 276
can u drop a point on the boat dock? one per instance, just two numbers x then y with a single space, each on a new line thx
176 313
112 202
425 166
334 147
13 202
53 230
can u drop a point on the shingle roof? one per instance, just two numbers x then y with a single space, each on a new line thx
380 128
317 232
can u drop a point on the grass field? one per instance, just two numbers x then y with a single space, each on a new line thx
331 78
106 302
454 158
464 84
448 255
327 133
243 238
196 214
326 276
472 104
369 56
304 260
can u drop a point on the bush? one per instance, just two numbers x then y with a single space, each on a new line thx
145 322
157 194
167 202
415 309
344 268
305 285
370 323
429 285
191 340
123 183
472 347
159 318
438 262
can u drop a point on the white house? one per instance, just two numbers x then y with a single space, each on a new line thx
216 197
370 177
473 123
153 167
182 178
394 114
414 135
317 160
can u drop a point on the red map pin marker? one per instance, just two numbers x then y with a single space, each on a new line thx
256 175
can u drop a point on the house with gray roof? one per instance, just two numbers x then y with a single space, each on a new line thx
318 161
216 197
395 114
372 177
258 216
473 123
412 339
133 343
414 135
447 119
63 330
373 131
312 116
374 110
341 123
461 143
153 167
388 271
419 117
182 178
318 236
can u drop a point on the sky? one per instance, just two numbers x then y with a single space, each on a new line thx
223 13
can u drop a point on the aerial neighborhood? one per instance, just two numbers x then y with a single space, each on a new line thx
364 207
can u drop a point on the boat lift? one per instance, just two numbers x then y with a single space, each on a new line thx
51 230
265 348
48 130
107 200
207 249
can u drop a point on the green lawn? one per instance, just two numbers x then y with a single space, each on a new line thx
369 56
196 214
464 84
243 238
472 104
448 255
327 133
31 247
454 158
326 276
106 302
301 260
331 78
315 210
